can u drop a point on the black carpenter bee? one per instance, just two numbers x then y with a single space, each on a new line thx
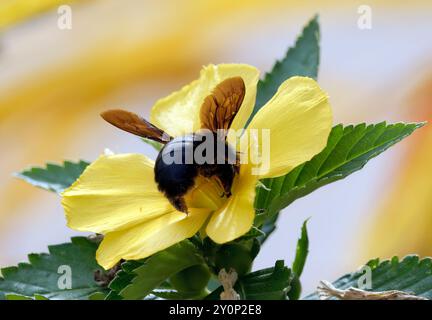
175 175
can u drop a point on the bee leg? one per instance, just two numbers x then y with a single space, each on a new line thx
180 204
226 177
226 192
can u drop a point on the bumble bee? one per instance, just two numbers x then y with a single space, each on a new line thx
175 178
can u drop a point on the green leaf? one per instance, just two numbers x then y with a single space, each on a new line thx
299 262
411 275
301 251
171 294
12 296
300 60
268 226
348 150
97 296
41 276
138 281
54 177
254 232
266 284
123 278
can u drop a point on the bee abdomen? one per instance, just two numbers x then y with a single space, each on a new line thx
174 180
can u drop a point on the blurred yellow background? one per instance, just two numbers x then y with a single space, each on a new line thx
54 83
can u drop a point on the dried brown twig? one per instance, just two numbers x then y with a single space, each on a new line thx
327 291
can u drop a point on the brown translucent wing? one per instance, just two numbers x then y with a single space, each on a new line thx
132 123
219 108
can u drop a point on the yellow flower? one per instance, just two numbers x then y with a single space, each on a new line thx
118 197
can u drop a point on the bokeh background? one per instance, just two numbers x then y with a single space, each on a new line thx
54 83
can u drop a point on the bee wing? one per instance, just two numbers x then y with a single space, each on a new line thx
132 123
219 108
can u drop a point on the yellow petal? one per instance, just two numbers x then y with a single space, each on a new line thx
299 119
235 218
178 113
114 192
145 239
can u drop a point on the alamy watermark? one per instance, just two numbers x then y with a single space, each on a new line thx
250 146
364 282
64 20
64 282
364 21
